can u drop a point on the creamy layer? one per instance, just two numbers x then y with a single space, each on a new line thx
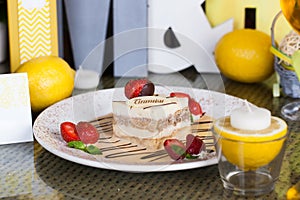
151 120
148 128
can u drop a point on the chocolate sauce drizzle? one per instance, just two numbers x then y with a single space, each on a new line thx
164 104
104 126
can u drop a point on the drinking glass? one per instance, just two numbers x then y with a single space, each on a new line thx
249 166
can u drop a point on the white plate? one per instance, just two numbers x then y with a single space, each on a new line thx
95 104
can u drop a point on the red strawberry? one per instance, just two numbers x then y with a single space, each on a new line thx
87 133
195 107
68 132
179 95
194 145
175 149
139 87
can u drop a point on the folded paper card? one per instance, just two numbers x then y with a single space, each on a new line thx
15 110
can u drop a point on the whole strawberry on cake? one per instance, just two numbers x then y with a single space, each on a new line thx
148 119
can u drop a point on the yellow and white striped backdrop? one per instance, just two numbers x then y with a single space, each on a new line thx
34 27
33 30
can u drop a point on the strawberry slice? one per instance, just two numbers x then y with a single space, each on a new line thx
87 133
179 95
195 107
194 145
175 149
139 87
68 132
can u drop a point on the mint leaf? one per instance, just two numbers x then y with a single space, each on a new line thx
93 150
189 156
77 145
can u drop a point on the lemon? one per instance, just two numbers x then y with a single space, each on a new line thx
244 55
250 150
50 79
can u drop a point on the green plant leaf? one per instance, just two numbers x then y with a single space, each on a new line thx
77 145
189 156
93 150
